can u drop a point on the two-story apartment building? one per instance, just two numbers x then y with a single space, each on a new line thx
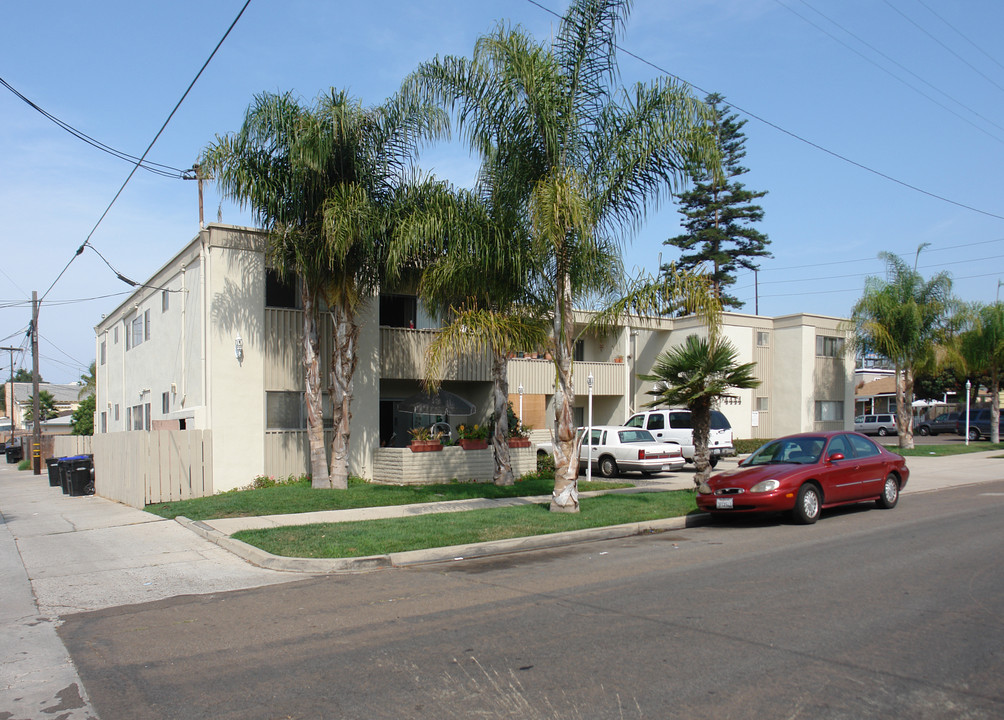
213 341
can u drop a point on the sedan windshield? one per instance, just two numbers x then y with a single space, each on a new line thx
800 451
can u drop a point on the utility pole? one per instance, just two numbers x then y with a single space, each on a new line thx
10 403
36 432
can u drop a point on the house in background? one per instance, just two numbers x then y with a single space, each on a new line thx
212 342
65 398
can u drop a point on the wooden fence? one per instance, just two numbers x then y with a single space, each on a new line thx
139 468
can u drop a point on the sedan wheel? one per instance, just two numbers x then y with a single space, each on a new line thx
890 493
807 505
608 467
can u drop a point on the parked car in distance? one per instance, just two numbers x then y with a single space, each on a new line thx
880 424
944 423
803 474
675 426
979 424
613 449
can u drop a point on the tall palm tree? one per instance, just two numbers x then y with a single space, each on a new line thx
695 375
585 159
901 317
982 347
320 180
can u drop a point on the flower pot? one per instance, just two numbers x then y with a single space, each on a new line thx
519 442
425 445
470 444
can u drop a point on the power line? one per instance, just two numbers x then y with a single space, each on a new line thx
959 57
897 64
961 34
793 135
142 158
156 168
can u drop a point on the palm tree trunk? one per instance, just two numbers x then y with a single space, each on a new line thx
312 390
343 367
701 417
566 462
904 407
500 440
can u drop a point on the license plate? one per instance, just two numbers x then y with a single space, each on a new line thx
723 503
665 468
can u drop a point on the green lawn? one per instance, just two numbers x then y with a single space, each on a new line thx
378 537
942 450
299 497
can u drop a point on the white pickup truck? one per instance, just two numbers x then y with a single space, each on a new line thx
675 426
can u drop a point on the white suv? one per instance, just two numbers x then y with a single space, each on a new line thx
675 426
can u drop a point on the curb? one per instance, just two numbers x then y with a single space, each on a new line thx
429 556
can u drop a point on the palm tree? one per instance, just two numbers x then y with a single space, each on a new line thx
982 347
696 375
319 180
901 318
476 274
89 381
584 158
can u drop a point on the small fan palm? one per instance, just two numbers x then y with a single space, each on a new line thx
695 375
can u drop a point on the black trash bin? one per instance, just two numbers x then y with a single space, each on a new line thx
14 453
52 467
80 472
65 471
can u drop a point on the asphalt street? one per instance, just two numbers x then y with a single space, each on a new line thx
64 558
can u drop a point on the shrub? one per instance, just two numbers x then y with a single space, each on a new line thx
748 445
545 463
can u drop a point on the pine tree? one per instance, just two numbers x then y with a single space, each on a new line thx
719 236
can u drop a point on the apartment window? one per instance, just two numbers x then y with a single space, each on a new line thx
146 423
146 325
103 343
165 300
579 351
827 346
761 404
115 334
135 335
398 310
278 292
285 411
128 424
165 403
829 411
762 338
104 422
116 412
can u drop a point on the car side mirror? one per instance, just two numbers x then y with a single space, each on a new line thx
834 457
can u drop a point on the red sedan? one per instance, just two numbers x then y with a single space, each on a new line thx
804 474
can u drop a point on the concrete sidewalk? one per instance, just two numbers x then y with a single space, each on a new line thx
60 555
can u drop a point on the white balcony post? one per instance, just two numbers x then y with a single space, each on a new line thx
968 386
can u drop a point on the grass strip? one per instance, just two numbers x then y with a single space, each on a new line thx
379 537
299 497
945 450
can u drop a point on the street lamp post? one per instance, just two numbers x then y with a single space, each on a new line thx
968 386
589 431
520 391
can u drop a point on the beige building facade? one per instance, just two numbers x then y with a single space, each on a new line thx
212 341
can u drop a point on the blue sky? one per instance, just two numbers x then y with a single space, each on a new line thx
887 84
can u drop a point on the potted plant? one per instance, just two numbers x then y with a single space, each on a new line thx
473 437
422 440
519 437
